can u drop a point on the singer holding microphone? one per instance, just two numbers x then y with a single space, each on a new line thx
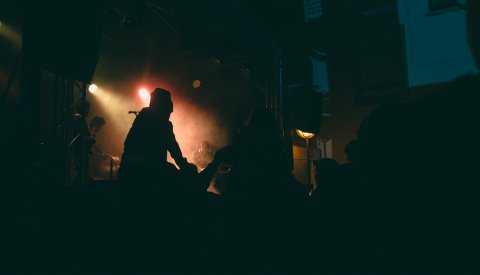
144 159
153 202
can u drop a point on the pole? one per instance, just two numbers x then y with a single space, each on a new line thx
111 169
307 146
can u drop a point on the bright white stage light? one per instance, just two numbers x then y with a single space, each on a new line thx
92 88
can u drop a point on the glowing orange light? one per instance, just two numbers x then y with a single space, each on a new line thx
305 135
196 83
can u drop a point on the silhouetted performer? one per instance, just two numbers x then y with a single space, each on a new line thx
149 139
98 157
82 148
151 189
96 124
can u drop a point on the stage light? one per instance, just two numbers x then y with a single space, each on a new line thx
92 88
145 96
144 93
196 83
10 33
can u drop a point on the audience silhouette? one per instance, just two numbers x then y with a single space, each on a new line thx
257 208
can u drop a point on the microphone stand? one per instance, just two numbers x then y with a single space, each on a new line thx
134 112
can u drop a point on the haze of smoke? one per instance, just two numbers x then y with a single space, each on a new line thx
191 124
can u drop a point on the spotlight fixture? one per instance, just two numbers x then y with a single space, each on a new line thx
196 83
143 93
92 88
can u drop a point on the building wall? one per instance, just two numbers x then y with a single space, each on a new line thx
436 43
436 50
